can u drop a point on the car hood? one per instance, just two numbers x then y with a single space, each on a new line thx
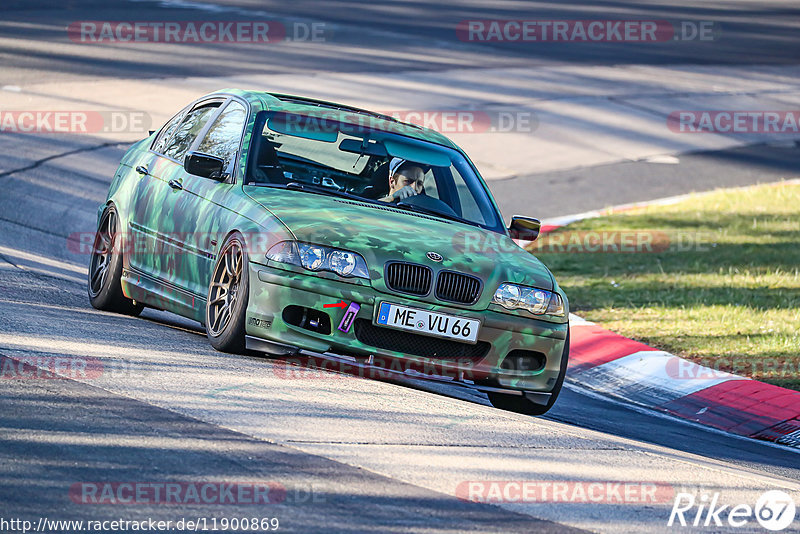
382 234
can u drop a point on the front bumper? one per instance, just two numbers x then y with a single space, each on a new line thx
272 290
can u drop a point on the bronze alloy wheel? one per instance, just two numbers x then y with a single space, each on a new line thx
224 289
102 252
105 268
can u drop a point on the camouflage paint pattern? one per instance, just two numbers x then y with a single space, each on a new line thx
171 238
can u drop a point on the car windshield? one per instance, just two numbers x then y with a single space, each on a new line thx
305 152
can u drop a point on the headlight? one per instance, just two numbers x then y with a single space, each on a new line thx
507 295
318 258
312 257
343 263
536 301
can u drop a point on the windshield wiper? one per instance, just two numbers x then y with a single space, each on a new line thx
419 209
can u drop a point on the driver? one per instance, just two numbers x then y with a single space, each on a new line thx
405 180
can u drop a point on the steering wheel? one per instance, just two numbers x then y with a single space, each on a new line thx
430 203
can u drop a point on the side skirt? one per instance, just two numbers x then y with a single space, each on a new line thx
162 295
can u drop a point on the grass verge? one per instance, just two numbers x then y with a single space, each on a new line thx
714 278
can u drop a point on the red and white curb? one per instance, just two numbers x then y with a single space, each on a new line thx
614 365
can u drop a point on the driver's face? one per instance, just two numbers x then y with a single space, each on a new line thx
412 176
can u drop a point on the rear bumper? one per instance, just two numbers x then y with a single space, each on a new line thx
272 290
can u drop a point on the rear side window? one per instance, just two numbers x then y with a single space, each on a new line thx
186 133
222 139
166 132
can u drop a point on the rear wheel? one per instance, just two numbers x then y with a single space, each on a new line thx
521 404
227 297
105 268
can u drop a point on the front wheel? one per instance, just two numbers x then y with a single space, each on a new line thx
521 404
227 297
105 268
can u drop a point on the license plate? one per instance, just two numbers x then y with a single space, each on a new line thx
428 323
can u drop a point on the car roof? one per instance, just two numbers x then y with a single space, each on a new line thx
338 112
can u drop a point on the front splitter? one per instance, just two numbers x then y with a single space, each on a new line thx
365 367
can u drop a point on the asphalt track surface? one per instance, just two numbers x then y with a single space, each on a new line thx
380 37
379 456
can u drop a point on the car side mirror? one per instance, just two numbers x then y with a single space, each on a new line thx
524 228
206 166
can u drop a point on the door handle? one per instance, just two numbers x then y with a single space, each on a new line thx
175 184
141 169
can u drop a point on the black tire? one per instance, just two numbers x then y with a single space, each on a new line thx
105 268
228 292
520 404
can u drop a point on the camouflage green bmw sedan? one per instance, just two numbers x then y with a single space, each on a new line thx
299 227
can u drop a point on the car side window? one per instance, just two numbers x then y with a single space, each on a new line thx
166 132
185 134
222 139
